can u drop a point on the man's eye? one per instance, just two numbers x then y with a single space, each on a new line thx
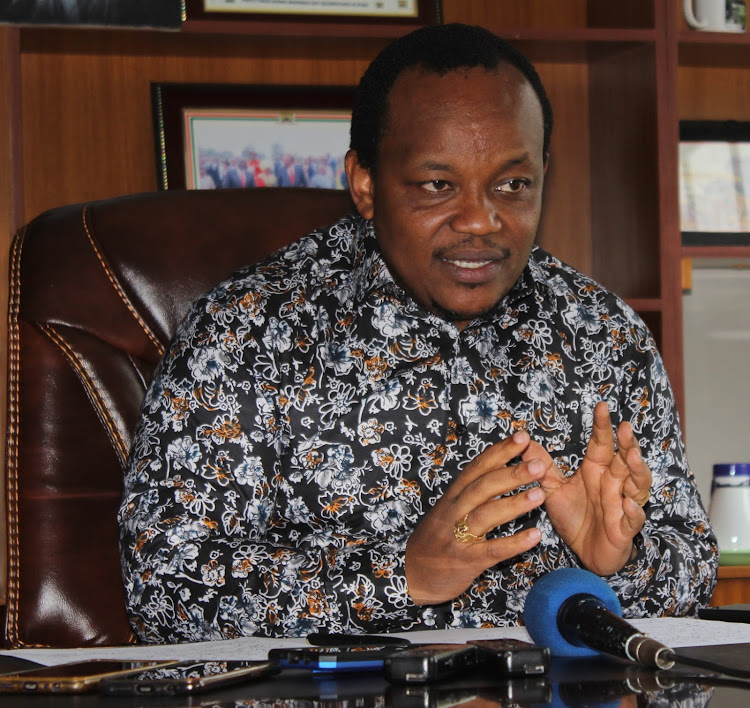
513 186
436 185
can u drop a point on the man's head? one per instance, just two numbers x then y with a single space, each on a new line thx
453 181
437 49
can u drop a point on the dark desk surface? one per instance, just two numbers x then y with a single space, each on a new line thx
598 681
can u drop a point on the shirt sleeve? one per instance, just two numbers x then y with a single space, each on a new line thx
674 570
202 558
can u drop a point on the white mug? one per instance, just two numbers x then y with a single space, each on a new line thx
715 15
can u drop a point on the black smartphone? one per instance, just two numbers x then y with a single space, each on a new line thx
334 659
330 639
187 677
726 613
78 677
513 656
430 662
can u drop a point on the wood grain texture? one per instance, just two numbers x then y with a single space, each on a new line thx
11 200
87 106
733 586
516 13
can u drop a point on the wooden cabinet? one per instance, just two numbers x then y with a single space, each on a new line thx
733 586
78 125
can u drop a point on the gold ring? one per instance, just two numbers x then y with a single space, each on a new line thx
462 533
640 503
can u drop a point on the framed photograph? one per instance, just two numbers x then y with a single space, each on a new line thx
714 179
314 14
212 136
165 14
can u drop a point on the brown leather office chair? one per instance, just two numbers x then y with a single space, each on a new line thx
96 292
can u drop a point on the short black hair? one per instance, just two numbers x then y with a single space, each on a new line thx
438 49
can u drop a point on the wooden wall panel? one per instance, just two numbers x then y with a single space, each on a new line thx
565 229
86 99
714 93
87 112
516 13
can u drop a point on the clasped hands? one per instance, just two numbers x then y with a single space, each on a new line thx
597 511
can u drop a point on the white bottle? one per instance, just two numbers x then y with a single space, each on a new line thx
729 512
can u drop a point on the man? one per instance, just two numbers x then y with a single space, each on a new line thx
237 176
402 421
289 173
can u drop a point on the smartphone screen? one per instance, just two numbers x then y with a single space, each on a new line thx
187 677
76 677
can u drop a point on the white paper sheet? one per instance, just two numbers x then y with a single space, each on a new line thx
674 632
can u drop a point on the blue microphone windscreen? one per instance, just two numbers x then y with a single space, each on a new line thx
547 596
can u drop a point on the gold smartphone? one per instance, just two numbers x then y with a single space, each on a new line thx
78 677
187 677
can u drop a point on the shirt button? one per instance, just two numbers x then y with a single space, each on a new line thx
461 430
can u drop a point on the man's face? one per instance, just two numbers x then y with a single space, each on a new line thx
457 191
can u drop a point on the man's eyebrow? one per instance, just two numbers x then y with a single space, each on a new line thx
447 167
517 160
437 166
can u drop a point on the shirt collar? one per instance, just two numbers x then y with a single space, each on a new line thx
370 271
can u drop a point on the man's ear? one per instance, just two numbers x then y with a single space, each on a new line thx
361 185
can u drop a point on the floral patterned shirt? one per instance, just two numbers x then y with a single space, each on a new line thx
308 413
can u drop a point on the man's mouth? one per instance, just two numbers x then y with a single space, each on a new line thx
472 265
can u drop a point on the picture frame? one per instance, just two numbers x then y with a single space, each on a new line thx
164 14
210 130
386 17
714 183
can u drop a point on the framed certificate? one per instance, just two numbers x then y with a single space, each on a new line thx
295 15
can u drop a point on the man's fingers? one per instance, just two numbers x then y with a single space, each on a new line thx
631 467
497 550
601 446
633 518
500 511
497 455
494 484
551 477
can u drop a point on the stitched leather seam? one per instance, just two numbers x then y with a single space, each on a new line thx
116 284
11 445
12 452
103 412
137 370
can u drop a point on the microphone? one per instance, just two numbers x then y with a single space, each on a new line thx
576 613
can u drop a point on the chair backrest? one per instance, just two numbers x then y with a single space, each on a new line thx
96 291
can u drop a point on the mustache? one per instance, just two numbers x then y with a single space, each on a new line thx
474 247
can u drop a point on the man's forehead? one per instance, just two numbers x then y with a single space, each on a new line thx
418 91
420 84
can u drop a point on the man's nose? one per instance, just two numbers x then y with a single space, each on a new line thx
476 213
